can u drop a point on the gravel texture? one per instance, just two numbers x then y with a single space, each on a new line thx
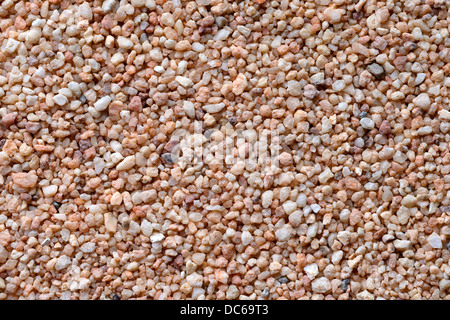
217 149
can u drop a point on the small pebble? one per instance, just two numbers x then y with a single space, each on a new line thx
376 70
422 101
367 123
102 103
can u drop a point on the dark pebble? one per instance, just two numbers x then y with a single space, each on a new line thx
232 121
199 114
376 70
57 204
168 158
362 115
283 280
344 284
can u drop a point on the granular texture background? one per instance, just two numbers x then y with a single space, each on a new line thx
217 149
